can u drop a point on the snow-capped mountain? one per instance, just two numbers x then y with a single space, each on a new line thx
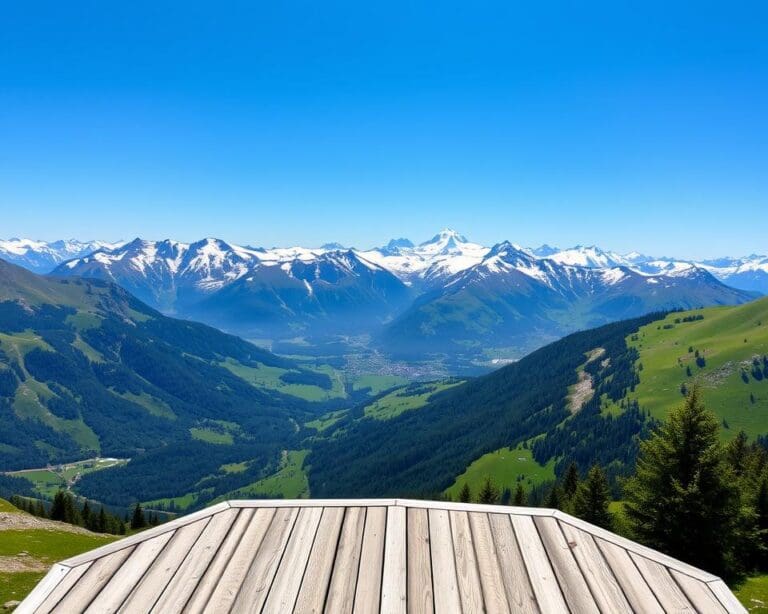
427 264
514 300
42 257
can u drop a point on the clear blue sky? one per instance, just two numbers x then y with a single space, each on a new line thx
627 124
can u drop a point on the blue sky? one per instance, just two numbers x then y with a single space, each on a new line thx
637 125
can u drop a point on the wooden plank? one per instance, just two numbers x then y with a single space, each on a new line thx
212 574
256 503
726 597
314 586
175 596
341 593
285 587
159 574
61 589
471 507
572 581
394 579
143 536
605 587
129 575
636 590
491 580
368 591
627 544
543 580
42 591
230 582
663 585
97 576
255 587
419 563
468 577
446 585
517 585
699 594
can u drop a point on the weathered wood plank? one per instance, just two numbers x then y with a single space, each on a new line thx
636 590
446 585
232 580
571 580
159 574
702 598
314 586
128 575
726 597
62 588
285 587
543 580
470 591
491 580
97 576
517 586
420 598
341 592
186 579
255 585
212 574
667 591
393 581
368 592
605 587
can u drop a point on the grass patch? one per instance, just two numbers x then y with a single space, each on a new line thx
505 467
727 338
398 401
753 593
48 481
153 405
326 420
288 482
234 467
210 436
378 383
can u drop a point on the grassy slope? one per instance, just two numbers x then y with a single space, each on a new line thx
753 593
505 467
289 482
396 402
48 481
728 338
43 548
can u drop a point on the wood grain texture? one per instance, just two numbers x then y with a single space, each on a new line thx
62 588
314 587
92 581
636 590
394 581
663 585
189 574
517 585
420 598
341 593
572 582
275 528
491 580
605 588
540 572
368 592
700 595
468 577
444 578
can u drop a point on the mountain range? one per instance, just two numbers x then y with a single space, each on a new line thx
446 294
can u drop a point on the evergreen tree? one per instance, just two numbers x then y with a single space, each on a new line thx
137 520
40 509
591 500
101 525
58 509
554 497
85 514
465 494
571 481
683 499
489 493
506 496
520 498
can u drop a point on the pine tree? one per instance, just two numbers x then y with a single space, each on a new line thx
40 509
101 524
85 514
489 493
58 509
683 499
520 498
591 500
465 494
554 497
571 481
137 520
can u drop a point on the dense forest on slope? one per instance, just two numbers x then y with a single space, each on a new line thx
422 451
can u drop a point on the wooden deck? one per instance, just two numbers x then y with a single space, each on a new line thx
376 556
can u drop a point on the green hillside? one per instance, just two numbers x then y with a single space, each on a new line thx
731 344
